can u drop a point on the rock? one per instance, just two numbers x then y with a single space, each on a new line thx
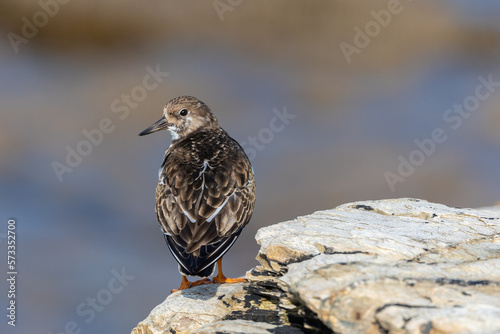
245 327
495 208
228 308
390 266
187 310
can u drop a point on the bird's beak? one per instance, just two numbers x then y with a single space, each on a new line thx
161 124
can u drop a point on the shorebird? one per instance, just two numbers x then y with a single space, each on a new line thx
206 190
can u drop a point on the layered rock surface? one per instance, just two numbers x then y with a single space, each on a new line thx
390 266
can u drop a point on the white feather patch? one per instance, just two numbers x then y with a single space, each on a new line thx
209 219
173 133
192 220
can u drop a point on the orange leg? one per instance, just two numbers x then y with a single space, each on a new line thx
220 278
185 284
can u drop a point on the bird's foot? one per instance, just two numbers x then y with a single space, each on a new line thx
223 279
185 284
201 282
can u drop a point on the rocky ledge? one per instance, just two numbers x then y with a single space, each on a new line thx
389 266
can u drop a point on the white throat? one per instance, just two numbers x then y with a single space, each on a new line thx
173 133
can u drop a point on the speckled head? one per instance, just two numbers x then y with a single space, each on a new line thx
183 116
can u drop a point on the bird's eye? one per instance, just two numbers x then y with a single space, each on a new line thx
183 112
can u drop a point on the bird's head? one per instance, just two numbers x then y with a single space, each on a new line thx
182 116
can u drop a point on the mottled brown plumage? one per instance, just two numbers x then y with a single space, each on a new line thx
206 189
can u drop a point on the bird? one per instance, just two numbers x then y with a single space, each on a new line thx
206 190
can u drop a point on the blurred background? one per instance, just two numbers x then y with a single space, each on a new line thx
358 81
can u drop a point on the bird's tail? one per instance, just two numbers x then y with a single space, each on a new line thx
203 264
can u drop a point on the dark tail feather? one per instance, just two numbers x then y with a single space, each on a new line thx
208 271
202 265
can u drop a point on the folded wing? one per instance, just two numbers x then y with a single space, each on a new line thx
203 208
